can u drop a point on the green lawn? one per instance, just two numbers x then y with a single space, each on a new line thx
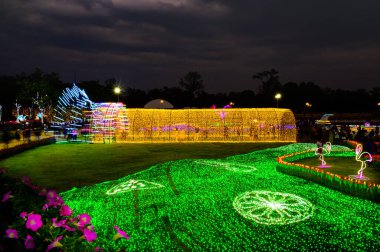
63 166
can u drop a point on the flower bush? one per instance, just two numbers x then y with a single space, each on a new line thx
34 218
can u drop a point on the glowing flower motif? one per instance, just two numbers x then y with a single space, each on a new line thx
120 234
29 242
273 208
11 233
90 235
7 196
34 222
23 215
65 211
55 243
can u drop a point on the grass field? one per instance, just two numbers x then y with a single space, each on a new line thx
232 204
63 166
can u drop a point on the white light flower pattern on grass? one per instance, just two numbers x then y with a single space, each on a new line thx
132 185
273 208
236 167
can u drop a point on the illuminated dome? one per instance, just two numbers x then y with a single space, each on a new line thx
159 104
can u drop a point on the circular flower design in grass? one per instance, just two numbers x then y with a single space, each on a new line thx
132 185
273 208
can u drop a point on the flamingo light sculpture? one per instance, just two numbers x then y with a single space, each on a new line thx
321 152
360 157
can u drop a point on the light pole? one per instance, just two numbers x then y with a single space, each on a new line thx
117 91
277 97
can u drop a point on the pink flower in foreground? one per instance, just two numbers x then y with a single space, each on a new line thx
11 233
59 223
98 249
51 195
34 222
65 211
120 234
26 180
90 235
29 242
23 215
3 170
7 196
55 243
84 219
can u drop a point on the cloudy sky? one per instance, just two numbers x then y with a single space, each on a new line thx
152 43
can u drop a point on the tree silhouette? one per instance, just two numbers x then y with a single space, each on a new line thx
270 82
192 82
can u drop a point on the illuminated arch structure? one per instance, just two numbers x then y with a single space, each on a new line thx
113 122
69 111
108 123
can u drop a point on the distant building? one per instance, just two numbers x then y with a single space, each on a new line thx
159 104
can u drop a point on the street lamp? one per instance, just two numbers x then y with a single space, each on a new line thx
117 90
308 104
277 97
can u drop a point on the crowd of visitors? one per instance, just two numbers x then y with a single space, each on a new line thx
309 131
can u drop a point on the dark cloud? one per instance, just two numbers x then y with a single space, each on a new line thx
151 43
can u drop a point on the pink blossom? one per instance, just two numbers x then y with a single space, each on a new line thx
65 211
55 243
42 192
34 222
29 242
26 180
45 206
68 228
84 219
11 233
23 215
3 170
59 223
89 235
98 249
120 234
51 195
7 196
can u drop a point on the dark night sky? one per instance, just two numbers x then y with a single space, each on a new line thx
152 43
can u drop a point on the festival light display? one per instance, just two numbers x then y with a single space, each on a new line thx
108 123
361 157
69 111
132 185
273 208
321 152
195 209
204 125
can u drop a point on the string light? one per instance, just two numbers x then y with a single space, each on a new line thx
195 208
273 208
360 157
132 185
322 152
204 125
69 111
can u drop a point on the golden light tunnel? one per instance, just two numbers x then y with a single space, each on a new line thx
207 125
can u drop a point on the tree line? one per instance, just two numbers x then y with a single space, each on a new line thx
190 92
